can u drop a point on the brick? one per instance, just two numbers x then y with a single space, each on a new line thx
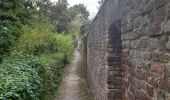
134 44
158 3
125 67
141 95
157 68
168 44
165 85
114 45
125 60
167 27
114 59
149 89
162 95
140 74
125 52
146 66
147 9
167 71
145 43
160 15
125 84
113 86
115 82
114 35
115 66
125 44
138 22
131 96
160 57
153 80
114 50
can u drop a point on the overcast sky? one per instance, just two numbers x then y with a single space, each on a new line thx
90 4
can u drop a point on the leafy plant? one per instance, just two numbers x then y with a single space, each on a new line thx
19 77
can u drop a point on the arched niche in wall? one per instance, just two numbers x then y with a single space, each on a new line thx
115 73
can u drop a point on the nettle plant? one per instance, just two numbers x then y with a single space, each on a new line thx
20 77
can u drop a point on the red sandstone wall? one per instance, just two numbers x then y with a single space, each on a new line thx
128 51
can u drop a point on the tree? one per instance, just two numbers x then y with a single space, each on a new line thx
13 15
10 23
79 11
60 15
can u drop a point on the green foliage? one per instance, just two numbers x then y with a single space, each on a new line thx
40 40
19 77
34 56
9 23
37 70
79 11
13 14
57 12
53 74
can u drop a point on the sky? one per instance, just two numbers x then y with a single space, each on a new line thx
90 4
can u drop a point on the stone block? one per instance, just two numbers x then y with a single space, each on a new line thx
134 44
114 35
125 52
167 27
167 71
153 80
157 68
115 82
160 57
165 85
149 89
125 60
127 27
142 95
158 3
141 75
114 50
126 44
147 8
131 96
138 22
114 59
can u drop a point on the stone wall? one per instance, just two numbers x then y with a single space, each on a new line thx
128 51
145 32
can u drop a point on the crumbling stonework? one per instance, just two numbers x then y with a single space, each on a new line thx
128 51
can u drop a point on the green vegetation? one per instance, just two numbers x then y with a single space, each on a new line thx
37 39
35 65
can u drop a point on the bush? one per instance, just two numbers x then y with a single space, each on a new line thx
19 76
40 40
35 66
53 74
13 15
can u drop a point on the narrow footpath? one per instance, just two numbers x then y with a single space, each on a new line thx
70 86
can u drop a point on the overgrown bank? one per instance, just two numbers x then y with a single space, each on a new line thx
34 67
37 38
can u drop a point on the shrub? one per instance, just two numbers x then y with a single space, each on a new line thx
13 14
53 75
40 40
19 77
35 66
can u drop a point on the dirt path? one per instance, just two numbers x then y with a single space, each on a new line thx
70 86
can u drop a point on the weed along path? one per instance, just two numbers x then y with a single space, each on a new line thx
70 86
